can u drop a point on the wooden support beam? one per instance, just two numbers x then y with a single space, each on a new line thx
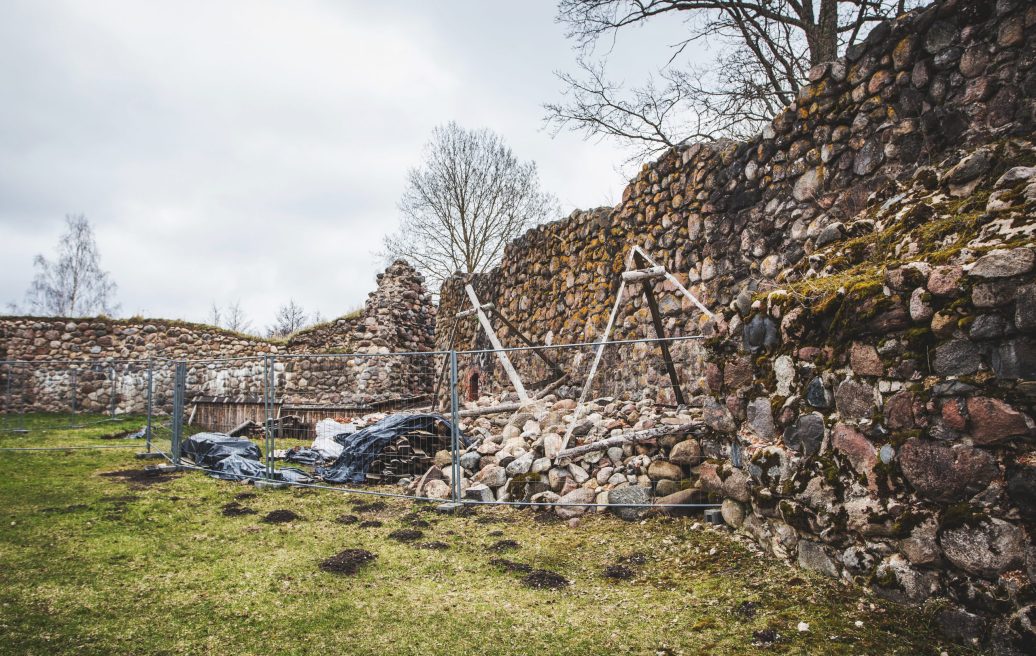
632 437
639 275
468 313
676 283
491 410
656 318
501 355
525 340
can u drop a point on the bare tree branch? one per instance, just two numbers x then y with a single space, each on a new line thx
73 284
765 50
469 198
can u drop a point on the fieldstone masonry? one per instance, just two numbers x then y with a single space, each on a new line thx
870 379
397 317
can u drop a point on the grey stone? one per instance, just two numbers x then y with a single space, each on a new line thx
869 158
944 473
854 400
521 465
993 294
969 168
784 372
1025 309
470 460
812 555
958 624
733 513
479 492
921 548
493 476
987 326
760 333
717 417
808 184
910 585
957 357
760 418
615 454
620 500
687 452
920 306
1015 359
817 394
940 36
805 434
1003 263
568 506
831 233
985 548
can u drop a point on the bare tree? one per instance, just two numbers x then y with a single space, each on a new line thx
469 198
232 318
215 317
73 284
766 48
235 318
290 318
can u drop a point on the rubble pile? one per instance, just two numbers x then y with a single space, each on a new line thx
650 454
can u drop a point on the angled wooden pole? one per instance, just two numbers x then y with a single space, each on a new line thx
656 318
501 355
525 340
671 278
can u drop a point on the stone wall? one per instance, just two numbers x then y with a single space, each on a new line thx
398 316
869 257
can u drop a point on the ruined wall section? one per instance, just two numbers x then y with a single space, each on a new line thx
724 215
870 257
398 316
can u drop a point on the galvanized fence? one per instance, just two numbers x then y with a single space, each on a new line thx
50 405
577 425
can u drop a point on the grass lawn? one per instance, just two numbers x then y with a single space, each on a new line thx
101 564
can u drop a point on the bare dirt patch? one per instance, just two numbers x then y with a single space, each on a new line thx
406 535
746 610
371 523
280 517
347 562
347 519
235 509
435 545
510 565
504 545
618 572
140 477
372 506
544 579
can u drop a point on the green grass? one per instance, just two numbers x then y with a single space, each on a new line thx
91 564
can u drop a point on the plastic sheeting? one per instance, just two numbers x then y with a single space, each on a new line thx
359 449
327 430
207 449
237 468
234 459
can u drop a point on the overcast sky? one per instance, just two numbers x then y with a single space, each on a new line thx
256 150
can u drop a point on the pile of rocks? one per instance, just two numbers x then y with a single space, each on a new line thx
515 458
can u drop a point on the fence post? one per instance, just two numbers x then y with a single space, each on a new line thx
150 401
75 386
179 390
269 383
455 433
113 392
